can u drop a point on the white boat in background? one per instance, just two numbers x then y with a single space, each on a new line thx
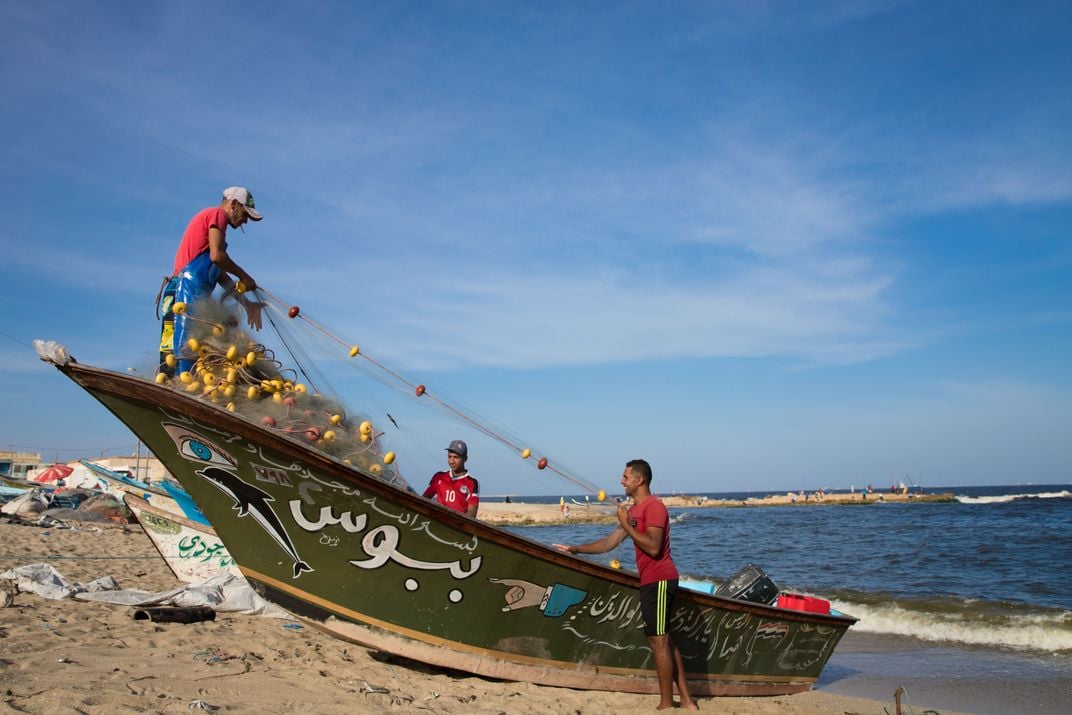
192 551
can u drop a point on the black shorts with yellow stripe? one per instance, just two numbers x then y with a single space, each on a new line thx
656 604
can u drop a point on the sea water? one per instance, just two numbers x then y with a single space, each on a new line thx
982 582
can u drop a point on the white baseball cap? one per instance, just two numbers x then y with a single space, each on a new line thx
242 196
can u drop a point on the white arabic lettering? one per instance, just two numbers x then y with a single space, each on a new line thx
381 545
346 520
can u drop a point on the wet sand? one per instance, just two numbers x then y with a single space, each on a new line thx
986 681
83 657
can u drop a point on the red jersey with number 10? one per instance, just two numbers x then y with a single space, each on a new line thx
456 493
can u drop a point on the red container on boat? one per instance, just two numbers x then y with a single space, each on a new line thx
799 602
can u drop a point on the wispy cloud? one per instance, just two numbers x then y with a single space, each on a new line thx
555 228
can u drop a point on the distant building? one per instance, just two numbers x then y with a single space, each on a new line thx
18 464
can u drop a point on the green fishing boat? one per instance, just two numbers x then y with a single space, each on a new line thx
343 548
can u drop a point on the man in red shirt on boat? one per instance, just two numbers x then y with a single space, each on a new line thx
455 488
647 523
201 262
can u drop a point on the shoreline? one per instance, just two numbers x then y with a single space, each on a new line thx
532 514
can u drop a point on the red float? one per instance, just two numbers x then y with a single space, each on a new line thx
293 312
542 464
419 390
268 421
312 434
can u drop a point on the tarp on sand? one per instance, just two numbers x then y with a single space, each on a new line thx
223 592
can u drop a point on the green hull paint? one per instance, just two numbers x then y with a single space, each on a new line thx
385 567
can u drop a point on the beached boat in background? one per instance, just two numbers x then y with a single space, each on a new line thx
7 492
120 485
166 495
18 483
30 504
189 508
371 562
192 550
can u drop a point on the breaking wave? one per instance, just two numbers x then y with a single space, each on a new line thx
1012 497
965 621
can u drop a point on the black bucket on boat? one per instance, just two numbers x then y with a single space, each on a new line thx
749 584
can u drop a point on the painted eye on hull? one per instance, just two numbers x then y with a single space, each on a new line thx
196 448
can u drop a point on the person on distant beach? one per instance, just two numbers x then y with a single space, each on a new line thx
647 523
200 263
456 489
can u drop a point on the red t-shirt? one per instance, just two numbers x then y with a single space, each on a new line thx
652 512
195 239
456 493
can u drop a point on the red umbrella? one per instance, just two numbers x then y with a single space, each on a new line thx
54 473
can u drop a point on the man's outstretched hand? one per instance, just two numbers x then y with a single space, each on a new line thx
253 313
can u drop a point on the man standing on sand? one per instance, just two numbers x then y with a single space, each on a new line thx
647 523
201 262
455 488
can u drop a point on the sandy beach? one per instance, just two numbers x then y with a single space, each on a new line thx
73 656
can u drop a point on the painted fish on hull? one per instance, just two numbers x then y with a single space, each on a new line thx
251 501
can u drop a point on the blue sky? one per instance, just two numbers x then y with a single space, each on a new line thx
765 245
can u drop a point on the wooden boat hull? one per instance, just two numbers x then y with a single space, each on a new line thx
192 551
383 567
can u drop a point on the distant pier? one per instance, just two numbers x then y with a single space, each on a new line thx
527 514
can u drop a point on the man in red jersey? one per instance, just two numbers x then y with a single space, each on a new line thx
455 488
647 523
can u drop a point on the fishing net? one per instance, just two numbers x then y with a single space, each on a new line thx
297 377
